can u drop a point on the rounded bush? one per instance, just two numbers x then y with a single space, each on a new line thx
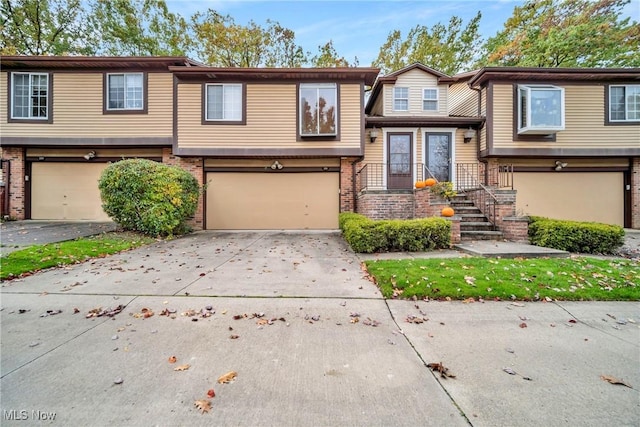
149 197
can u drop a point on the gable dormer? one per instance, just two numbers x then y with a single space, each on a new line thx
416 90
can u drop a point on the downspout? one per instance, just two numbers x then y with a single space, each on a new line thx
486 163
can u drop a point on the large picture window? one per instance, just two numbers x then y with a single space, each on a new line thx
318 109
624 103
125 91
223 102
30 96
540 109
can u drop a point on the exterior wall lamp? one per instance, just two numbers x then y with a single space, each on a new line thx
276 165
560 165
373 134
90 155
468 135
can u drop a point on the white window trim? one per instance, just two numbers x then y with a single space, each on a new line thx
12 100
539 130
625 120
318 86
125 108
437 99
394 98
224 110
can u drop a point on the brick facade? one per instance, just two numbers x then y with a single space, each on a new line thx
16 184
195 166
635 193
386 204
347 195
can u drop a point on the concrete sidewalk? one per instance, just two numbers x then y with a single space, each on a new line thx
311 339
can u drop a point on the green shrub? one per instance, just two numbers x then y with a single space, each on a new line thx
575 236
149 197
367 236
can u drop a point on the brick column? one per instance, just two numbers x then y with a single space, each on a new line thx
492 173
195 166
513 227
427 204
455 230
347 195
635 193
16 184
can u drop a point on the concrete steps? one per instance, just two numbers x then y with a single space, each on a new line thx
474 225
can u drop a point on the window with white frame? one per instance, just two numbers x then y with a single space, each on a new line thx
30 96
624 103
430 99
540 109
223 102
125 91
400 99
318 109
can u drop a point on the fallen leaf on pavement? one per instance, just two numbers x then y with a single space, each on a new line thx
439 367
227 378
182 367
523 325
211 393
173 359
203 405
614 380
234 337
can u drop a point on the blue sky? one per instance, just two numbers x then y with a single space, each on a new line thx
358 28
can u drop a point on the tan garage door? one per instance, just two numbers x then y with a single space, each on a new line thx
576 196
66 191
271 201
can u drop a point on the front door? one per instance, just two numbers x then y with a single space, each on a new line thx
399 148
438 155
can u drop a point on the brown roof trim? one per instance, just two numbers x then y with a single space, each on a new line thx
569 74
420 67
360 74
240 153
95 62
424 121
560 153
36 141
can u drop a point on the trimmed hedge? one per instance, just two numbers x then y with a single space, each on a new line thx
575 236
149 197
413 235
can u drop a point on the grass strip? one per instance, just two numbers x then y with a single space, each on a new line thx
38 257
575 278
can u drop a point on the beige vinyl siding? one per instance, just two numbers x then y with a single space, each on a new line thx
584 122
287 163
78 110
416 80
373 151
571 163
483 113
271 117
102 152
465 153
462 100
378 107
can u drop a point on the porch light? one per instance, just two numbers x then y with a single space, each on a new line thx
373 134
276 165
468 135
90 155
561 165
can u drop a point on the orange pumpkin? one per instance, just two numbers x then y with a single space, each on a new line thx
448 211
420 184
430 182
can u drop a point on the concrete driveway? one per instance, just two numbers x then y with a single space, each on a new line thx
311 339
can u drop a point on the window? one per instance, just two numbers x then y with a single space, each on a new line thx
400 99
624 103
30 96
430 99
540 109
318 109
125 91
223 102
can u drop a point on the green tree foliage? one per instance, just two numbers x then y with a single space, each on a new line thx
149 197
566 33
328 57
449 48
43 27
139 28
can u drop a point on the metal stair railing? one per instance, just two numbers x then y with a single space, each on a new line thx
481 196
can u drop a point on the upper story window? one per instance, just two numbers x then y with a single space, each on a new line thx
624 103
430 99
224 102
540 109
125 92
400 99
30 97
318 109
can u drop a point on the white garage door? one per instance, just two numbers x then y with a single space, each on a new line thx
272 201
578 196
66 191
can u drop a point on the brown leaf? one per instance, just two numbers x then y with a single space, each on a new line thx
227 378
523 325
173 359
439 367
203 405
614 380
182 367
211 393
234 337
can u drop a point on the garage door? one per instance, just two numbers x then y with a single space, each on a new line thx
66 191
578 196
270 201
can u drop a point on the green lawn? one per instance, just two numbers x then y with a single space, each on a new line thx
38 257
575 278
